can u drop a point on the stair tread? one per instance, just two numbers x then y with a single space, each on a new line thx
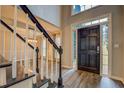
41 83
15 81
52 85
2 65
20 76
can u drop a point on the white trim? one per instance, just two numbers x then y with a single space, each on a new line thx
91 19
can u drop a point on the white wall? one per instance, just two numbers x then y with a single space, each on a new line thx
50 13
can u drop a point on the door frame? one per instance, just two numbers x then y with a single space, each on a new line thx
109 16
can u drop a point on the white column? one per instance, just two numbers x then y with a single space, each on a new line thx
34 56
26 48
56 63
2 40
21 54
3 45
47 47
14 67
29 57
10 48
51 58
42 61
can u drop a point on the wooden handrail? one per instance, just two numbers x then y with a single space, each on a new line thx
7 26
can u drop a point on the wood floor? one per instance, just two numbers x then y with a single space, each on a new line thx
82 79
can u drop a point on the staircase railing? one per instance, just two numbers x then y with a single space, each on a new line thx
35 49
21 38
10 29
41 29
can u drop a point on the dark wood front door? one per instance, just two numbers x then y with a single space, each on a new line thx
89 49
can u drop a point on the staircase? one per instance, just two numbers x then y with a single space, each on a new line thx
22 64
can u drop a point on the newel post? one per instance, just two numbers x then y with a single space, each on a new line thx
60 81
37 69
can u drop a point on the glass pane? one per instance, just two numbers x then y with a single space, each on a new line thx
82 7
76 9
105 48
105 39
79 8
74 47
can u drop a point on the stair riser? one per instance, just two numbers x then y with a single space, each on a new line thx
2 76
24 84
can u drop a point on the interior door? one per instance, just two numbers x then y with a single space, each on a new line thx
89 49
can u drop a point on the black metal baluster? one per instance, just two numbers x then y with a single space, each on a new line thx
60 81
37 51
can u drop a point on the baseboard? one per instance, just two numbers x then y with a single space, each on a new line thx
117 78
68 67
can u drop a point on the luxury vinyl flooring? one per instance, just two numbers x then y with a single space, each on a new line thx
78 79
82 79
